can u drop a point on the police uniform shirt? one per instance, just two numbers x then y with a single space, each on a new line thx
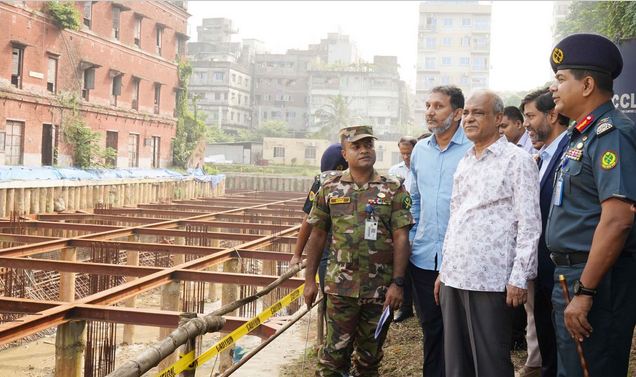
358 267
599 164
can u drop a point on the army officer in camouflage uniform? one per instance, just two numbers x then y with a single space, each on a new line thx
369 217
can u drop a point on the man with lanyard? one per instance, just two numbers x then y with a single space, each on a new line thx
590 231
369 218
331 163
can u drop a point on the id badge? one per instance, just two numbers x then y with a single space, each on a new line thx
557 195
371 230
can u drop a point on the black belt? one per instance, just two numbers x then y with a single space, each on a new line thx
568 259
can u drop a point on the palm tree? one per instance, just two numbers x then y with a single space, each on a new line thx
331 117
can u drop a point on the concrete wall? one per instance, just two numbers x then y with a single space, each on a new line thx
29 197
241 181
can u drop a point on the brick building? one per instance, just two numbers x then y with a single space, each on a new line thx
121 66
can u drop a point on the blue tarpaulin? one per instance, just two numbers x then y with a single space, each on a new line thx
23 173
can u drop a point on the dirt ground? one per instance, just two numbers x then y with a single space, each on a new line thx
403 354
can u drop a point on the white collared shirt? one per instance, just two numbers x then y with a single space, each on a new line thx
547 153
495 222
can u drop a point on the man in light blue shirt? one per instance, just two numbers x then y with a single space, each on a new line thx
433 163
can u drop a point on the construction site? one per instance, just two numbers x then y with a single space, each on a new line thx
147 278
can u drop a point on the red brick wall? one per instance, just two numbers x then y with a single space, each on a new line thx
34 105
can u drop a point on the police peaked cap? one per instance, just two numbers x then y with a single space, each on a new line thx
587 51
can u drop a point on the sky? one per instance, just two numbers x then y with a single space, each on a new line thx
521 32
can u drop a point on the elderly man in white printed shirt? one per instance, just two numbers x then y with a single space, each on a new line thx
490 249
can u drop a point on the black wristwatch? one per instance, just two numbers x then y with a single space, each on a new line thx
579 289
399 281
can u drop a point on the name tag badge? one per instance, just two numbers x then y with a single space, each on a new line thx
340 200
371 230
557 195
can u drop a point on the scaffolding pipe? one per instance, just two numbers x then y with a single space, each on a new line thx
157 352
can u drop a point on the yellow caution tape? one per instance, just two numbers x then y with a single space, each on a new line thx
188 362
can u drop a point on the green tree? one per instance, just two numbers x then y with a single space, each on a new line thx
64 14
272 128
191 130
332 117
613 19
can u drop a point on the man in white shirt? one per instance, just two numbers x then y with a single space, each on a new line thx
403 172
511 126
490 245
402 169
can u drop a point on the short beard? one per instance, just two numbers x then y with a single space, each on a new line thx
445 126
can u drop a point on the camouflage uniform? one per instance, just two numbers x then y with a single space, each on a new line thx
359 271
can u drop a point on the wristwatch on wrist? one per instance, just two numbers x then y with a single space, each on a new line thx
579 289
399 281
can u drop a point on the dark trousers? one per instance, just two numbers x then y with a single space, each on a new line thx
478 336
430 316
407 298
543 321
613 316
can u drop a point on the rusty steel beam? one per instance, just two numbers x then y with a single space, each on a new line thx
130 316
85 267
9 237
25 305
230 224
150 247
56 315
206 235
89 216
233 278
263 255
273 219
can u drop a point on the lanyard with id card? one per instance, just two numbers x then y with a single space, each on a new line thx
370 225
557 194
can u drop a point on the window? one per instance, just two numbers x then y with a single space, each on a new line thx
49 144
380 153
133 150
482 23
89 82
467 22
279 152
446 42
181 45
158 37
431 21
233 77
219 76
138 31
445 80
51 76
115 89
17 61
14 143
396 158
155 143
429 63
116 22
157 97
465 42
87 13
448 22
464 60
310 152
446 60
290 115
135 93
112 140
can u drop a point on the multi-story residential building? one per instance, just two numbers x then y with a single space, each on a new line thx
281 88
374 92
221 81
453 47
121 66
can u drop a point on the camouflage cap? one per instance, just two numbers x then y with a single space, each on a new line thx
355 133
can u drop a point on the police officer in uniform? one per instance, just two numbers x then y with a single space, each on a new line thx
369 217
589 231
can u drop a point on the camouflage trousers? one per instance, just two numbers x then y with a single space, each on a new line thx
350 341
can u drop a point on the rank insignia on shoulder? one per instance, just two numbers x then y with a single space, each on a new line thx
406 202
609 160
312 196
340 200
604 128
